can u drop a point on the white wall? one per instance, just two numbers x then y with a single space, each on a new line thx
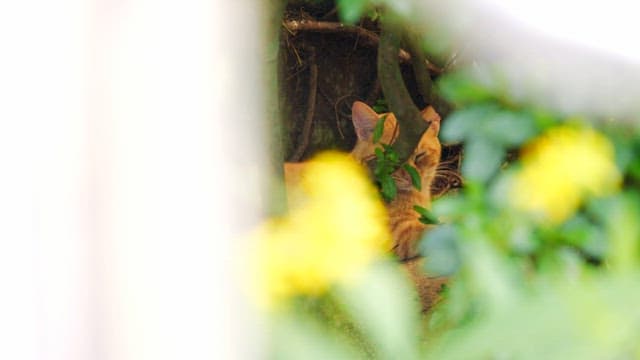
127 129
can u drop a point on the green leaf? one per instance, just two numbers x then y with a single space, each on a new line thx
302 337
388 187
415 177
509 128
383 303
380 106
391 156
379 128
451 206
439 245
426 216
461 88
467 123
482 158
379 153
351 10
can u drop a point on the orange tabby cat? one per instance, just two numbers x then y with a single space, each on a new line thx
406 227
364 121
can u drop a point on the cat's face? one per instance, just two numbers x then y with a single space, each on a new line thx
364 121
425 157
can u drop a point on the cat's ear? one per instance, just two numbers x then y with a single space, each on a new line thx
429 114
364 120
391 129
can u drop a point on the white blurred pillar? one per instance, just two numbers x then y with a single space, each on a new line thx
129 145
45 306
178 144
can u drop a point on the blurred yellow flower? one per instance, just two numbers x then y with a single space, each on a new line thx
560 168
334 229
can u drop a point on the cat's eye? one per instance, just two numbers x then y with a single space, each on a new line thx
419 156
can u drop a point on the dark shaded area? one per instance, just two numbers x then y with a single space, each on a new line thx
346 67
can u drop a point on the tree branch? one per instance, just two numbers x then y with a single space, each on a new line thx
277 204
311 107
423 78
400 103
367 37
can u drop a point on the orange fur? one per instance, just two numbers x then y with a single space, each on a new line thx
364 121
405 225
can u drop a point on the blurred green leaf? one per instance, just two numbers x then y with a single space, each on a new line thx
586 236
384 304
450 206
509 128
460 88
621 214
351 10
439 246
481 160
426 216
466 123
593 319
299 337
388 187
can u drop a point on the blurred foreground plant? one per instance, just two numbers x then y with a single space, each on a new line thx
336 228
324 273
560 168
540 247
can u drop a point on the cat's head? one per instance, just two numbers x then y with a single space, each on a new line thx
364 121
425 157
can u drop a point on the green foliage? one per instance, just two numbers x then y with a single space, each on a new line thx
380 106
347 324
387 160
415 177
519 287
379 128
351 10
426 217
386 163
488 130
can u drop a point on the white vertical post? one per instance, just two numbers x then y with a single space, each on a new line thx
45 307
129 146
179 141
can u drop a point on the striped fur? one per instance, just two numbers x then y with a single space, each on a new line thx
405 225
406 229
364 121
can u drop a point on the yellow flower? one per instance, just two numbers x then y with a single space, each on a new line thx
560 168
334 230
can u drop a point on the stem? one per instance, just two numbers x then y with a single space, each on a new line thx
400 103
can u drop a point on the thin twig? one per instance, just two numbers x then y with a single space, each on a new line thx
366 37
339 102
311 107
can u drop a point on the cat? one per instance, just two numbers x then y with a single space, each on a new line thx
406 228
404 221
364 120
